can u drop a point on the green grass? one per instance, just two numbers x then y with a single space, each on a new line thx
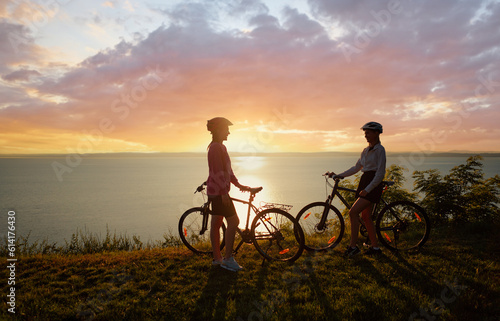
171 283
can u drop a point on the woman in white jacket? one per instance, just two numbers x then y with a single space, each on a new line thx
372 164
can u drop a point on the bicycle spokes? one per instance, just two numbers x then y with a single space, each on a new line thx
322 224
194 233
403 225
277 236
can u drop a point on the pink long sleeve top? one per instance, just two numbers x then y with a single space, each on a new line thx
220 174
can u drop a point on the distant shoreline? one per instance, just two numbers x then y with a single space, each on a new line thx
236 154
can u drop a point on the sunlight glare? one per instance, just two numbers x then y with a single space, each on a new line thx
252 181
249 163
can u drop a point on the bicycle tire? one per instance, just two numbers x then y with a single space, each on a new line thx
277 235
190 225
330 236
402 226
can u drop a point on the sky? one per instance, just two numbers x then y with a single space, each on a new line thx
97 76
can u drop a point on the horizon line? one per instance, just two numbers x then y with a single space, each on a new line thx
259 154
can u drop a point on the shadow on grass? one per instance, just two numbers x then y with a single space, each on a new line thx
362 288
213 301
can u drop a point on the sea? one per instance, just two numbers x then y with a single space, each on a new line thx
140 195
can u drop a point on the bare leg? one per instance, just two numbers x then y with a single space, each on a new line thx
370 227
360 205
215 225
232 226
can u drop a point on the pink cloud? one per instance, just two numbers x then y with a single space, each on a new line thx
21 75
414 73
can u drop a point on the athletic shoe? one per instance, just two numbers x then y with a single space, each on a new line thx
216 262
372 251
351 251
231 265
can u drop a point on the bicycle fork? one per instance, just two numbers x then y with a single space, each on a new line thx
322 223
204 226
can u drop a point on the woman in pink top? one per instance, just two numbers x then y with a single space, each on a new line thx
220 177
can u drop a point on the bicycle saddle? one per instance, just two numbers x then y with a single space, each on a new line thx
255 190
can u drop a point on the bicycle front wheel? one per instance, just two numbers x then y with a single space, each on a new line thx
321 238
192 233
403 225
277 236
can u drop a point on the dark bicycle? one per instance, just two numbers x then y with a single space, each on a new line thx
274 232
400 225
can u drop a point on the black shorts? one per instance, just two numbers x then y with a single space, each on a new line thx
218 208
375 195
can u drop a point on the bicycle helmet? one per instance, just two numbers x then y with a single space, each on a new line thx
373 125
217 122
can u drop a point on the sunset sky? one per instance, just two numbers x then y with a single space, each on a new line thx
293 76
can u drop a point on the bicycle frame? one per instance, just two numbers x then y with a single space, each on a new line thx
246 238
250 207
246 233
399 225
335 192
329 200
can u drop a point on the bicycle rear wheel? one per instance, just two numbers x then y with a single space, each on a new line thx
403 225
277 236
321 238
192 233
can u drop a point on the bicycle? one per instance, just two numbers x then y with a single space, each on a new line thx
274 232
400 225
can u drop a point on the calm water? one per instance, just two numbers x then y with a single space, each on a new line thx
146 196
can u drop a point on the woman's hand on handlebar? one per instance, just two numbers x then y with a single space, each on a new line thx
333 175
243 188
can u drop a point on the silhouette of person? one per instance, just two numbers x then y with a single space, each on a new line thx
218 185
372 164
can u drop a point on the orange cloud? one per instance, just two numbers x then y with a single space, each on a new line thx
284 82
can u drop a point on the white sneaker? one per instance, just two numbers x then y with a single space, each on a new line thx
216 262
231 265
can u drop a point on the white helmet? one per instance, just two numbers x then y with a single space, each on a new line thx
373 125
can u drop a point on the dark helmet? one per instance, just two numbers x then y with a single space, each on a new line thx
217 122
373 125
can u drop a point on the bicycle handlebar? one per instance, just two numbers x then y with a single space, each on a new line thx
200 188
252 190
332 175
336 177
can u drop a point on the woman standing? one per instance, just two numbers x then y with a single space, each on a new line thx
218 185
372 164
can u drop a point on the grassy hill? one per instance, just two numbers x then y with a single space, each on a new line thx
455 277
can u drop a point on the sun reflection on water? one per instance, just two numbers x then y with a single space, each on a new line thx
248 163
252 180
249 171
